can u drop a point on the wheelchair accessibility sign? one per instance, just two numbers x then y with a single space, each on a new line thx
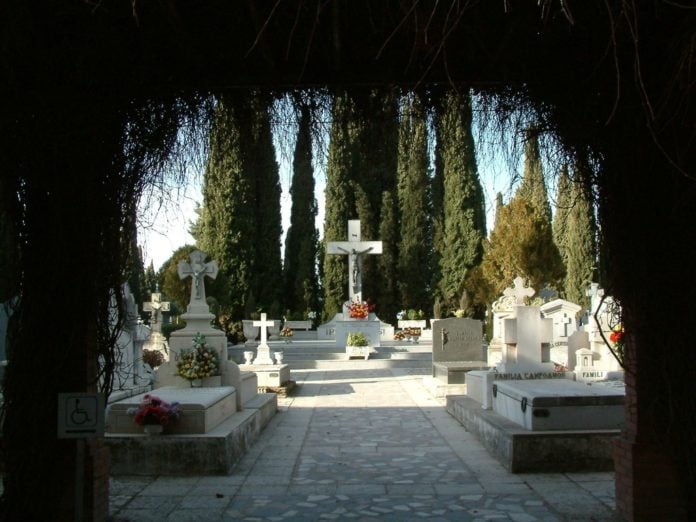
80 415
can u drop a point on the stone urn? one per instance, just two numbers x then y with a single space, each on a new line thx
278 357
248 357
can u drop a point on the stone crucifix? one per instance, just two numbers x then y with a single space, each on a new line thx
197 269
156 306
354 248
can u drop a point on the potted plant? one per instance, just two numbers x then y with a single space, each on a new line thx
357 345
198 363
155 414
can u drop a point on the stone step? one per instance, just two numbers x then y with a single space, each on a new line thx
362 364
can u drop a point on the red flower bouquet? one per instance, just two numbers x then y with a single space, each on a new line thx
360 310
153 410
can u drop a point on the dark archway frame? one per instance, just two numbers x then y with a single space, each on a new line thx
614 79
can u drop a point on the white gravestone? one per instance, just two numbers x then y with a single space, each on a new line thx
526 338
263 353
563 314
198 319
354 248
268 373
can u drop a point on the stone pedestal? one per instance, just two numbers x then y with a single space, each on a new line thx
370 327
269 376
198 321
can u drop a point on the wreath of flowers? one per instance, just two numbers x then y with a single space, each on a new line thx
199 362
153 410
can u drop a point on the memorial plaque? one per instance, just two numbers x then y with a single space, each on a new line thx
458 339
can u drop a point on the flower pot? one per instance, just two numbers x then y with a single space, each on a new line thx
248 357
278 357
153 429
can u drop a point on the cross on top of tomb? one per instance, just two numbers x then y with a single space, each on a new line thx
354 248
263 324
197 269
519 291
155 306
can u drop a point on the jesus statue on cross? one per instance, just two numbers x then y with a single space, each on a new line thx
354 248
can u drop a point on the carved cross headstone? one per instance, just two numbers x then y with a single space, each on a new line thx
263 354
156 306
562 324
527 338
197 270
354 248
519 291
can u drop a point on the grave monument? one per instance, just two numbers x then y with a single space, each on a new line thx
458 348
593 360
342 324
217 422
270 373
531 417
156 341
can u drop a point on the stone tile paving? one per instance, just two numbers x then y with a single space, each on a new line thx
365 445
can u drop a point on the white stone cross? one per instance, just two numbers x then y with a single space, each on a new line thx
354 248
197 269
263 353
519 292
527 339
155 306
263 323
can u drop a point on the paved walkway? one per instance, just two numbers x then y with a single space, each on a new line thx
365 445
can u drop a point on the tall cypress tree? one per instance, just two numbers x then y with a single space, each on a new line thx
533 188
301 243
415 245
262 169
580 241
389 303
372 170
338 204
560 218
437 198
464 207
227 218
